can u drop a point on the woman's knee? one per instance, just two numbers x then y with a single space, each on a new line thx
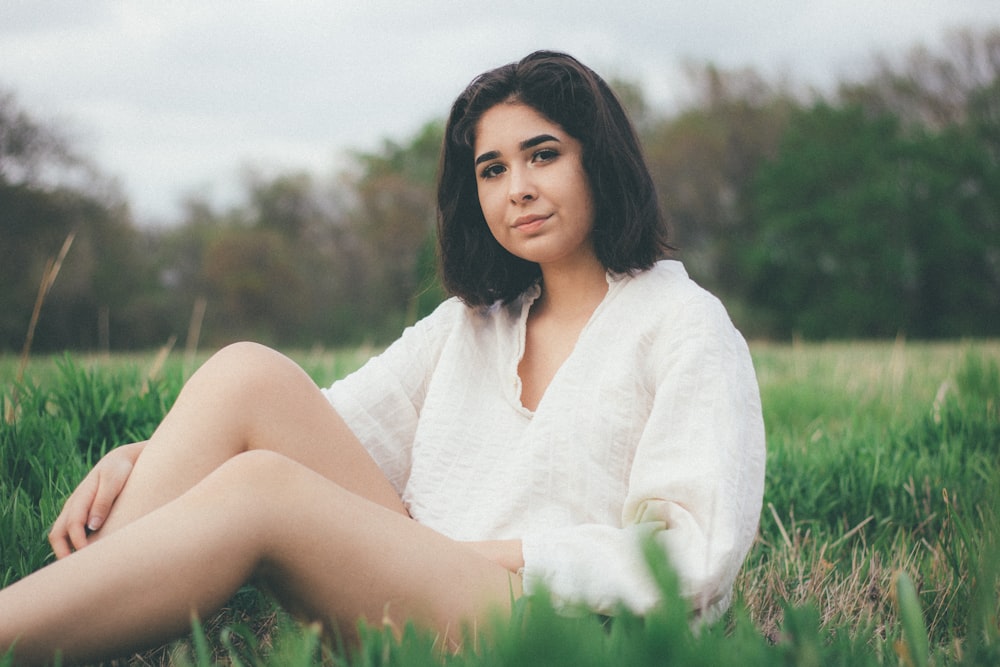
254 473
253 485
247 360
259 490
250 369
264 476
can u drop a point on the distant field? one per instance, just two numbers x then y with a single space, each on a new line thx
883 458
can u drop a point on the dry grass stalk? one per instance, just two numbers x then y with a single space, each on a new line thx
851 584
194 330
853 596
52 267
157 366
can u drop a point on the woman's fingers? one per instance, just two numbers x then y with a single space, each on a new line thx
69 530
110 483
90 503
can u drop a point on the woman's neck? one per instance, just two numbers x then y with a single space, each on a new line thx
570 293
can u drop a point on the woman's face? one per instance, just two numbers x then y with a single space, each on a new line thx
533 189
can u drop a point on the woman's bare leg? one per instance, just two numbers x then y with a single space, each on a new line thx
246 397
325 550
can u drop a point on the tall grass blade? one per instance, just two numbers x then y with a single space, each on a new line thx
202 652
237 656
912 618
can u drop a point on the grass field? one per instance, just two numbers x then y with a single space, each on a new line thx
878 541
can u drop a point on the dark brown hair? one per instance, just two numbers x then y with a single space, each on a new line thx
629 233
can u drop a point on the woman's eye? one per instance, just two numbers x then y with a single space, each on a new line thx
492 171
545 154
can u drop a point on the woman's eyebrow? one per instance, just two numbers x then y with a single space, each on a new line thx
524 145
487 156
534 141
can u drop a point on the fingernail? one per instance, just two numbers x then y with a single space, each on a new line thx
95 523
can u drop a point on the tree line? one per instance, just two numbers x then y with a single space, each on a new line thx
871 210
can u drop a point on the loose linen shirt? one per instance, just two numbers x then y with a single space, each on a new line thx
651 427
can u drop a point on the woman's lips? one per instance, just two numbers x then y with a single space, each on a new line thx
529 223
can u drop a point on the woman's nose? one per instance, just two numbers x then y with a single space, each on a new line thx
520 186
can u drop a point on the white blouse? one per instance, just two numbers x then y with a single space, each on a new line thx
651 427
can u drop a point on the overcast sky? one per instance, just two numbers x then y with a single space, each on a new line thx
172 98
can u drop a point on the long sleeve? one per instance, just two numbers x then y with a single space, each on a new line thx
381 402
696 481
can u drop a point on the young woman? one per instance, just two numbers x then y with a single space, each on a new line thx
578 396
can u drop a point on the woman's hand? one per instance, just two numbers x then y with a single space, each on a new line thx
90 503
507 553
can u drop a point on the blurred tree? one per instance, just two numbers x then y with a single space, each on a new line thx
395 222
882 212
46 191
244 261
870 230
834 254
30 152
254 287
286 203
633 98
312 223
931 89
704 160
952 185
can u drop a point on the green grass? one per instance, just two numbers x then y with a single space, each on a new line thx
878 541
882 459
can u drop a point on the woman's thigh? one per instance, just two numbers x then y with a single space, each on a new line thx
334 556
248 397
327 553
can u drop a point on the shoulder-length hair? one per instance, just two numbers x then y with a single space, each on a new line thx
629 232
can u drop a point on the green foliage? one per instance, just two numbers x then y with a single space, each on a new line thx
828 210
868 230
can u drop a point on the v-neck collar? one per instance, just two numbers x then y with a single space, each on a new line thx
527 299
